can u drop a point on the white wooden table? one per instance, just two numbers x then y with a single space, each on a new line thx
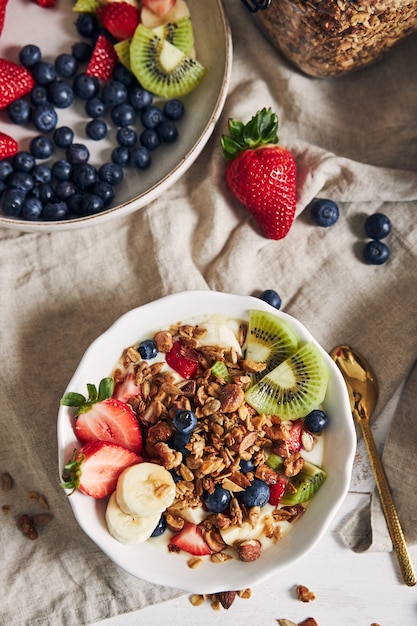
351 589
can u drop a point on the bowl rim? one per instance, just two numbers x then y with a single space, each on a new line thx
296 544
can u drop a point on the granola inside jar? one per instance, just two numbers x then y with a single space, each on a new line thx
334 37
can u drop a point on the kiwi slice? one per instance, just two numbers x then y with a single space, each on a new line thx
294 388
179 34
122 49
162 68
219 370
307 483
270 340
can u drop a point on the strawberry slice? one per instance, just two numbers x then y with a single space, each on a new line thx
103 59
120 19
110 420
15 82
190 539
183 360
126 389
46 4
8 146
3 4
95 468
159 7
276 491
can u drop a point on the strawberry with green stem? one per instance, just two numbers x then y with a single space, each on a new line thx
260 173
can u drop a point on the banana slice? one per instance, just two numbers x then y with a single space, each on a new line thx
151 20
145 489
219 334
126 528
234 534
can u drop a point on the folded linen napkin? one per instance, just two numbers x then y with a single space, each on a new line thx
355 140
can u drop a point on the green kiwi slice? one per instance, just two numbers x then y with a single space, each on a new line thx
270 340
294 388
179 34
307 483
162 68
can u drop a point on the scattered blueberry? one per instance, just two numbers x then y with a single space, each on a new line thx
84 204
173 109
111 173
271 297
32 208
44 72
179 441
13 200
44 191
96 129
95 107
86 24
84 175
123 75
104 190
161 527
151 117
65 189
29 55
6 168
121 156
55 210
114 92
167 131
257 494
39 95
61 170
246 466
149 138
21 180
77 153
23 161
44 117
41 147
377 226
147 349
85 86
66 65
185 421
60 94
63 136
123 115
82 51
140 157
19 111
139 98
42 173
316 421
324 212
376 252
217 501
126 136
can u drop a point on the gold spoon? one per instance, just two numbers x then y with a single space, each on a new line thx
363 394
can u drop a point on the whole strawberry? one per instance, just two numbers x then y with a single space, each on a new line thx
260 173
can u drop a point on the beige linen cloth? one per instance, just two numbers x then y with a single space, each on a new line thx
355 140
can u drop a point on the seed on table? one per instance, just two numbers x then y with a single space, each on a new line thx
27 526
6 481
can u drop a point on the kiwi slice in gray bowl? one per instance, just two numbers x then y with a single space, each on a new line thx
179 34
160 67
270 340
293 388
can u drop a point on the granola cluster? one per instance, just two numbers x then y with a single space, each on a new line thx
228 431
332 37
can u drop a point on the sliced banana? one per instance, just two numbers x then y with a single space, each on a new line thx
127 528
234 534
145 489
220 334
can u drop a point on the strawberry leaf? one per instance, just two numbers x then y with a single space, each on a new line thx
261 130
73 399
105 389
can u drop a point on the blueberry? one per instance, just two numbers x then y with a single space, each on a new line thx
61 94
126 136
173 109
217 501
140 157
41 147
31 209
82 50
55 210
6 168
120 156
96 129
61 170
63 136
376 252
167 131
114 92
149 138
179 441
29 55
44 191
23 162
123 75
147 349
84 175
324 212
39 95
151 117
111 173
42 173
123 115
13 200
161 527
44 117
19 111
185 421
316 421
377 226
77 153
44 72
271 297
65 189
85 86
105 191
246 466
139 98
257 494
95 107
86 24
84 204
21 180
66 65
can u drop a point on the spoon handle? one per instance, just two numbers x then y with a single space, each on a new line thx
391 516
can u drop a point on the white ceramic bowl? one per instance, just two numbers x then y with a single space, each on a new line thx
156 564
54 32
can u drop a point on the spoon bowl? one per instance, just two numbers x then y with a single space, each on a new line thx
363 394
